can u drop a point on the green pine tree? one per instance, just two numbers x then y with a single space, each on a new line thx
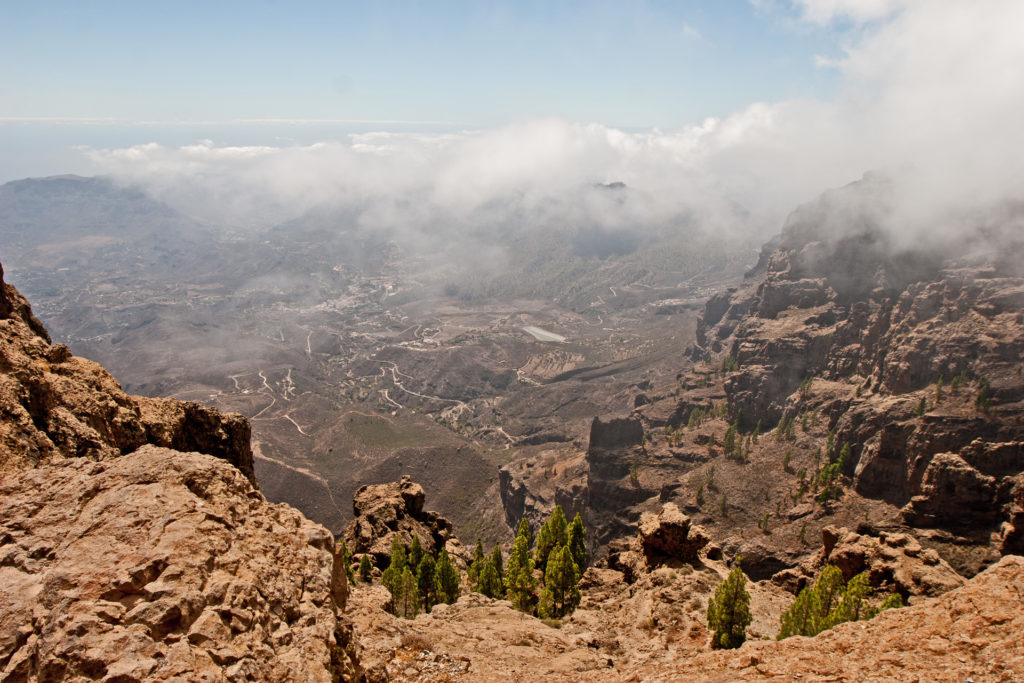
415 552
831 601
496 562
407 600
561 594
473 573
729 611
392 576
520 583
346 558
578 543
553 533
427 582
446 579
490 582
365 569
799 619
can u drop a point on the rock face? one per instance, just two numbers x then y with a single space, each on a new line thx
57 405
665 538
838 303
164 565
124 561
383 511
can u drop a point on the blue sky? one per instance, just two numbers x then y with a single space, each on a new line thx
471 64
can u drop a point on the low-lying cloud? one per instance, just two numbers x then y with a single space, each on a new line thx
932 94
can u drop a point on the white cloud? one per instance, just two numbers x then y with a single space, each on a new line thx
937 87
858 11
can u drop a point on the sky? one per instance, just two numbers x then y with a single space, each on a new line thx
249 113
119 73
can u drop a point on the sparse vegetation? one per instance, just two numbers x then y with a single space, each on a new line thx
365 569
804 391
423 586
784 430
983 399
729 364
829 602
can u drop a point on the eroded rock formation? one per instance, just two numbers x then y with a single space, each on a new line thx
383 511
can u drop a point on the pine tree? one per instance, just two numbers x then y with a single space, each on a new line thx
729 610
407 600
561 595
427 582
520 583
365 569
346 558
524 528
446 579
415 552
393 574
473 574
490 582
852 606
799 619
578 543
497 563
553 533
829 602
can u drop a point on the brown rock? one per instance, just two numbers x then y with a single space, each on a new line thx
383 511
894 562
972 632
669 537
163 565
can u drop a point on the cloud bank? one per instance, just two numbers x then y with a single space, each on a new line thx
932 93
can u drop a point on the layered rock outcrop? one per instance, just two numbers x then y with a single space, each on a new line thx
663 538
838 319
894 563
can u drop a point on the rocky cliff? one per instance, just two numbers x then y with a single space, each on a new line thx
123 560
56 405
852 379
